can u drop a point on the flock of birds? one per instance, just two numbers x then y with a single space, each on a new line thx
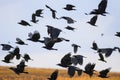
68 61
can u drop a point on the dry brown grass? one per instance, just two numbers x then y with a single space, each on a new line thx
43 74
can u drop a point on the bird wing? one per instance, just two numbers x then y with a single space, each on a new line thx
93 20
102 5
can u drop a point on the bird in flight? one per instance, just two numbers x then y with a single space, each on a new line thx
69 7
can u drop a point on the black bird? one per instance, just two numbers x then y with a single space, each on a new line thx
53 12
21 42
54 75
34 18
68 19
117 34
70 28
54 32
89 69
72 70
103 73
65 61
24 23
69 7
101 9
49 43
94 46
106 51
6 47
34 36
75 47
20 68
77 59
8 57
101 57
39 12
27 57
93 20
16 52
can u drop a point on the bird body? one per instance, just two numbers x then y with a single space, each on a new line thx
75 47
24 23
54 75
69 7
93 20
6 47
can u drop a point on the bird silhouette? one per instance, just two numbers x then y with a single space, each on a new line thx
39 12
21 42
69 7
93 20
117 34
54 75
77 59
89 69
34 18
8 58
6 47
103 73
27 57
68 19
54 32
16 52
53 12
106 51
72 69
49 43
94 46
20 68
24 23
34 36
101 57
65 61
101 9
75 47
70 28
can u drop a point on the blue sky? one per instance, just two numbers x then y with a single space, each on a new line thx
13 11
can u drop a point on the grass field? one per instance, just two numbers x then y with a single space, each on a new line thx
43 74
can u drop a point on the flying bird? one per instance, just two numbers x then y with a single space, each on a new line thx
65 61
24 23
8 58
54 32
54 75
101 57
75 47
49 43
94 46
117 34
70 28
107 51
27 57
6 47
39 12
21 42
77 59
103 73
93 20
69 7
89 69
20 68
34 36
68 19
53 12
34 18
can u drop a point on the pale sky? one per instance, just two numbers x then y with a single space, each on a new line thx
12 11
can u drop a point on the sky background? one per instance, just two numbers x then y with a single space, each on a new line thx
11 12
